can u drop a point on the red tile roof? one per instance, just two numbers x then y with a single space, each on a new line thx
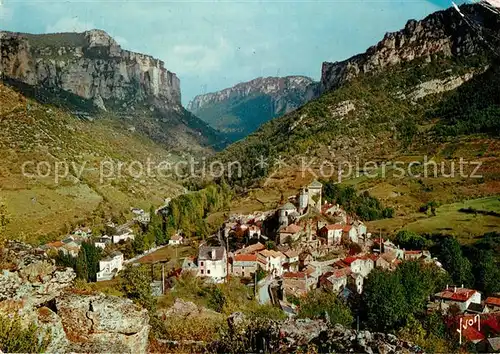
292 229
461 294
299 275
495 301
413 252
245 258
333 227
347 228
349 260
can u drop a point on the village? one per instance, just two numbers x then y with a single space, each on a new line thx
305 244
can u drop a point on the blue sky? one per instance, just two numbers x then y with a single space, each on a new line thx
214 45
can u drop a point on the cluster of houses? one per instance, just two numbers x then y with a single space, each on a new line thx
312 248
476 320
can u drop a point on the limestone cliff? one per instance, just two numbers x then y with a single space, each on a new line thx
241 109
443 33
90 72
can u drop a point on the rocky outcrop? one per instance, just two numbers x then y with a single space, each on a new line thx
443 33
239 110
90 64
32 287
92 322
304 334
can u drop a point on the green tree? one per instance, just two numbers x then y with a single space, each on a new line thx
139 244
384 300
458 266
17 338
136 284
216 299
81 265
410 240
4 218
321 304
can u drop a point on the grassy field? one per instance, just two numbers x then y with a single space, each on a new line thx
173 254
448 220
33 133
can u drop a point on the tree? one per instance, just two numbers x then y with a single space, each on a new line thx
459 267
136 284
4 217
17 338
410 240
384 300
321 304
139 244
81 267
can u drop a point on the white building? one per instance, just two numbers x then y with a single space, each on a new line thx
332 233
285 212
273 261
212 263
124 235
350 234
102 241
362 265
314 193
110 266
254 231
461 297
175 240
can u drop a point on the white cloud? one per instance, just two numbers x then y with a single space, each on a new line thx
202 59
69 24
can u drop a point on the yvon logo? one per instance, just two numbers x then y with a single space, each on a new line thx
468 322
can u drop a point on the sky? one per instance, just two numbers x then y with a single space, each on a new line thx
212 45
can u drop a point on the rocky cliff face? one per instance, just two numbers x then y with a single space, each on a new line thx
32 287
91 65
90 72
239 110
443 33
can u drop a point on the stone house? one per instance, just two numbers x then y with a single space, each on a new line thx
244 265
493 304
362 265
297 283
110 266
304 259
123 235
285 212
460 297
212 263
335 280
176 239
332 233
273 261
350 234
256 247
291 232
102 241
314 193
254 231
291 261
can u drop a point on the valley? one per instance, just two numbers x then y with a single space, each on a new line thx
357 213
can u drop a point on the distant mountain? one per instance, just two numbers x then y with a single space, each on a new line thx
90 74
241 109
435 80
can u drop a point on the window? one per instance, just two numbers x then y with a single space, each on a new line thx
201 271
201 263
208 271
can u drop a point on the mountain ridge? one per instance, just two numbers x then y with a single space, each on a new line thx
90 71
239 110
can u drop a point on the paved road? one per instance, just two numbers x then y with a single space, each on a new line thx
264 297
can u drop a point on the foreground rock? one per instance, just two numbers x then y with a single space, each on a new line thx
304 334
39 292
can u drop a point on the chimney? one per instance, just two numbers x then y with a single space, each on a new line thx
462 286
213 254
454 289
